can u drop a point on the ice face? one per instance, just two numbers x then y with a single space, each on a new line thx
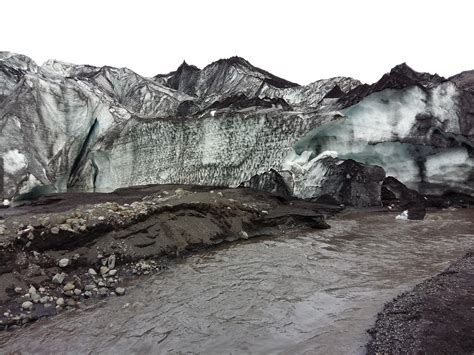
223 150
452 167
388 129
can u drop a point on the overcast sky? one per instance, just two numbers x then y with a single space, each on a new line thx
301 41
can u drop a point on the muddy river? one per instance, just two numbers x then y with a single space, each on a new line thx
306 293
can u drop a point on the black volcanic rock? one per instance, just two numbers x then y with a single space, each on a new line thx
271 181
335 93
241 101
183 79
400 77
348 182
464 80
394 192
188 107
353 183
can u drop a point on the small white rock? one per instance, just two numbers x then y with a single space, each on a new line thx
60 302
244 234
63 262
27 306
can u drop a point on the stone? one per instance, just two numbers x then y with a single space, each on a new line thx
120 291
55 230
69 286
89 287
32 290
417 212
244 235
394 192
18 290
111 261
112 272
27 305
70 302
44 299
66 227
88 294
59 278
35 297
103 270
103 291
77 292
60 302
92 272
270 181
63 262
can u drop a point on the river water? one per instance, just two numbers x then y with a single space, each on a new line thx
315 293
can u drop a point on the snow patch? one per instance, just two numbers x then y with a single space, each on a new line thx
14 161
452 166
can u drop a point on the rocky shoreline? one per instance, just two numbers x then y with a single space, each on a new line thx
436 317
62 250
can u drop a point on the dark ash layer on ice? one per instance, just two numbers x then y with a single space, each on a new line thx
436 317
63 249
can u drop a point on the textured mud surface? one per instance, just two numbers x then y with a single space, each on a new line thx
436 317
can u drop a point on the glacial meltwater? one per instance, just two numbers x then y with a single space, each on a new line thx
306 293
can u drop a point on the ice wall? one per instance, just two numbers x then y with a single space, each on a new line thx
226 148
414 134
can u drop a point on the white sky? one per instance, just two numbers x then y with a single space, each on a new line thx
299 40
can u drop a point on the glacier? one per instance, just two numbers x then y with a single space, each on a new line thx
68 127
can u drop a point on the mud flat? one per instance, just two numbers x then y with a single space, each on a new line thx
65 249
436 317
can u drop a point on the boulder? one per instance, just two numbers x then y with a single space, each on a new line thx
271 181
396 194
